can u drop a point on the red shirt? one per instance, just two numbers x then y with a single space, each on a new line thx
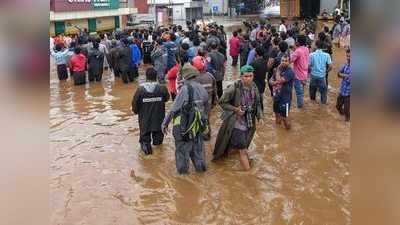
78 63
171 76
234 44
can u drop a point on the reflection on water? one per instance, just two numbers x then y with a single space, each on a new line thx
99 177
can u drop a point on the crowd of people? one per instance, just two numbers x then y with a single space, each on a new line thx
188 66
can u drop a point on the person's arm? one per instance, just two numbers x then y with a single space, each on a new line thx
136 102
226 99
250 57
294 56
341 73
329 62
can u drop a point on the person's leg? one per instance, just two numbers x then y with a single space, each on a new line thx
313 88
234 60
182 156
219 89
124 76
285 115
326 78
276 112
262 101
269 76
91 75
100 75
346 109
145 143
173 96
323 89
244 159
158 137
299 88
339 104
197 154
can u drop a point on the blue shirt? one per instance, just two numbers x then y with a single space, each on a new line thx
251 57
284 95
60 58
318 63
136 54
345 87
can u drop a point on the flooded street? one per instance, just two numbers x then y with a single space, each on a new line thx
98 175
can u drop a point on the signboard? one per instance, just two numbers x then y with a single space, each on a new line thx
83 5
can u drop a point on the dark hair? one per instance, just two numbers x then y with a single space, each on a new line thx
321 36
290 33
235 33
59 47
319 44
201 52
246 37
302 40
283 46
77 50
326 29
259 51
254 44
276 41
283 35
102 36
285 56
273 30
95 45
151 74
196 42
185 46
214 45
283 21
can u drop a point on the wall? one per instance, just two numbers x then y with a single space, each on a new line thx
142 6
221 4
66 6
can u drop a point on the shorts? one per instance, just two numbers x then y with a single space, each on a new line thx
239 139
282 108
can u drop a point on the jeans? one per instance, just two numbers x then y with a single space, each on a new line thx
299 88
318 84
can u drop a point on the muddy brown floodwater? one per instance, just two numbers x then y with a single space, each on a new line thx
98 176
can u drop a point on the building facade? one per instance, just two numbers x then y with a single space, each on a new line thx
68 16
173 11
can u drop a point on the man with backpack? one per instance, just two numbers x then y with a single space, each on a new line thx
188 114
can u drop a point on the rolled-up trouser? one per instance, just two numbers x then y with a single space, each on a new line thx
79 78
343 105
318 84
62 72
193 150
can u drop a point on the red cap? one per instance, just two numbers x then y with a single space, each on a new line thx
198 63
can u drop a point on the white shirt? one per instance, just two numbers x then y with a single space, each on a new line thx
282 28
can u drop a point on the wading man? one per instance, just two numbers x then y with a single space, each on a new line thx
189 115
149 103
241 105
